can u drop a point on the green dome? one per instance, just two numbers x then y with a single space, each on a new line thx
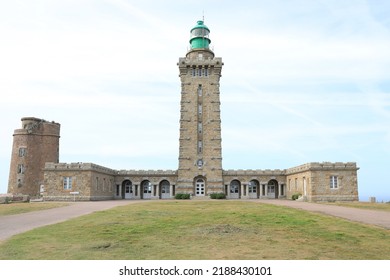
200 36
200 24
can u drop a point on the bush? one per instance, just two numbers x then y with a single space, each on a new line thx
182 196
296 196
217 196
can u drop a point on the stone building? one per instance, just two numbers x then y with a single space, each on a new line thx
35 168
34 144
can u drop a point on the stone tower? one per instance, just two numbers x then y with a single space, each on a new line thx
34 144
200 152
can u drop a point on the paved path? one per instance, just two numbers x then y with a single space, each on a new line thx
372 217
14 224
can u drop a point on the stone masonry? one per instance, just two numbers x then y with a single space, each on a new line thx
35 167
36 143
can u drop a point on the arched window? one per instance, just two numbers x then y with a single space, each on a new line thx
252 187
235 186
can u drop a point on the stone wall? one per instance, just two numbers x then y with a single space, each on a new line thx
90 181
39 140
318 181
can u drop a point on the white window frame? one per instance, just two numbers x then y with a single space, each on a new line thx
334 182
67 183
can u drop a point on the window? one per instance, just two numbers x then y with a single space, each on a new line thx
20 169
200 90
234 186
22 152
97 183
200 128
200 146
252 187
200 109
147 186
333 182
67 183
200 163
128 187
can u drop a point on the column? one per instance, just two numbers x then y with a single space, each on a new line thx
279 190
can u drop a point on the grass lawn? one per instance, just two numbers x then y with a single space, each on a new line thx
24 207
201 230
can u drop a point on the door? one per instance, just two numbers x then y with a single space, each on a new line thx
272 189
165 189
147 189
252 189
200 187
235 189
127 190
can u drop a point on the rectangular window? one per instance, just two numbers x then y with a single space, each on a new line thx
200 146
20 169
200 90
200 128
97 183
200 109
67 183
333 182
22 152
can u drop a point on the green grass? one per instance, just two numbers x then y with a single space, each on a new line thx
201 230
19 208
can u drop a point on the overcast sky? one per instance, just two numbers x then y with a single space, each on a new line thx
303 81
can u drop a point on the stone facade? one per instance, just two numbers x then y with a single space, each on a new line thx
200 151
200 171
325 181
36 143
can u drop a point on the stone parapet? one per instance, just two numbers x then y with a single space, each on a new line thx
147 172
78 166
322 166
255 172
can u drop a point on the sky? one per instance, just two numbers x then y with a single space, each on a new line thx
303 81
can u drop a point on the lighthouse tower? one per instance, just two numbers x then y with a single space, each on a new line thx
200 151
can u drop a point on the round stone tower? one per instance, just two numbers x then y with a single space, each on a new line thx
36 143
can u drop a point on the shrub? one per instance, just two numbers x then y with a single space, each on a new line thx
182 196
296 196
217 196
